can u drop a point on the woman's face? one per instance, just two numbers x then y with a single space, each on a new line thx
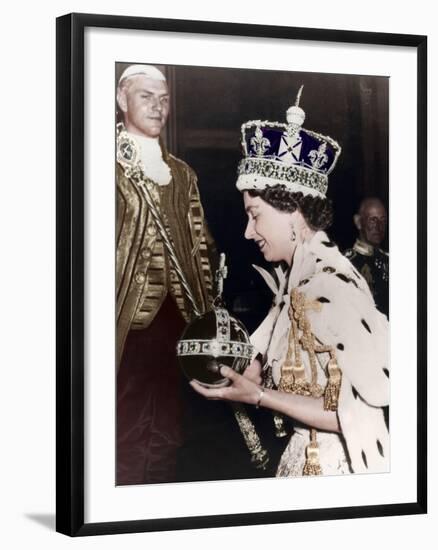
271 229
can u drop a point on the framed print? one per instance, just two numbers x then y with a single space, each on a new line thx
241 274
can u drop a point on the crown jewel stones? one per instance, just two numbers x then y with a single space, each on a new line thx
215 348
222 324
281 173
222 344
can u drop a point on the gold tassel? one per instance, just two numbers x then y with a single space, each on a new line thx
292 370
299 372
287 378
333 387
312 467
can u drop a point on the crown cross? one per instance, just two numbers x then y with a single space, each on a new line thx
259 143
221 274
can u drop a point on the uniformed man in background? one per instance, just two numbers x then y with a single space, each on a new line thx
366 255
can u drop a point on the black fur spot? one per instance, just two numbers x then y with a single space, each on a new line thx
346 279
365 324
328 269
329 244
318 260
385 411
364 458
355 394
380 448
386 371
340 346
323 300
303 282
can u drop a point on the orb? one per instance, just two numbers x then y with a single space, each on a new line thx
210 341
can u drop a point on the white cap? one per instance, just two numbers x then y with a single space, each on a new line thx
148 70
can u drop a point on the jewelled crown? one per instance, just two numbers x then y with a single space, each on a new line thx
285 153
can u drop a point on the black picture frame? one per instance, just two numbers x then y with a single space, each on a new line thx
70 272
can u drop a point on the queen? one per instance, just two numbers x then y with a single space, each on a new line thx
320 356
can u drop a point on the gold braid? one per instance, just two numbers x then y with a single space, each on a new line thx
293 376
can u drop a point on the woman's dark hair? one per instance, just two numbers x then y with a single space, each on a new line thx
317 211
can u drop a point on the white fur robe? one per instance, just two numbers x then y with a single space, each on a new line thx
348 321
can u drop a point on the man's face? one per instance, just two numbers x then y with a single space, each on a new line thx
373 223
145 104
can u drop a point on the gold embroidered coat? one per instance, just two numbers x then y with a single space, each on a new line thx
144 274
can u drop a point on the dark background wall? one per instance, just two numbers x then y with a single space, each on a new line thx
207 109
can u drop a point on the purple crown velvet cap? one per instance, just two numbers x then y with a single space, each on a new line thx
285 153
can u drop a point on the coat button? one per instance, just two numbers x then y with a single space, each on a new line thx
140 277
151 230
146 253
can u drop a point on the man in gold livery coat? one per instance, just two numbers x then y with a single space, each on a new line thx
145 274
152 303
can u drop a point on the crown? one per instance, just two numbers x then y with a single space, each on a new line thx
286 153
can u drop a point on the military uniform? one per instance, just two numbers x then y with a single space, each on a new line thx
373 264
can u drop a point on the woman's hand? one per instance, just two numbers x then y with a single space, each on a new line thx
242 388
307 410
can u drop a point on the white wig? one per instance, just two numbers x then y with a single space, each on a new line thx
147 70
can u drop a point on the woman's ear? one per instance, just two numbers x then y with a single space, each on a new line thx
299 225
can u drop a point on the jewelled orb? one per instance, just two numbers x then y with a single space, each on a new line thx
211 341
